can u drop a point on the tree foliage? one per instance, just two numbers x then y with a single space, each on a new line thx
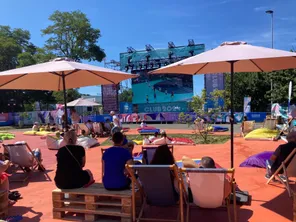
72 94
126 96
72 36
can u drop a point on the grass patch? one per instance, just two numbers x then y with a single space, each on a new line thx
196 138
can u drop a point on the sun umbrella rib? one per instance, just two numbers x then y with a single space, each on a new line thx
13 80
201 68
70 73
100 76
256 65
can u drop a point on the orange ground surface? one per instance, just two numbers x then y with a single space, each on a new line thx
269 202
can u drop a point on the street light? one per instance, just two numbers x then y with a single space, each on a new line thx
271 13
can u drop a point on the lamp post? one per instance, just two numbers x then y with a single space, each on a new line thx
271 13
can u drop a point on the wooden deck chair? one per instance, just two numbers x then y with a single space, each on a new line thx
149 150
248 126
82 126
288 167
270 124
98 128
22 157
207 187
157 189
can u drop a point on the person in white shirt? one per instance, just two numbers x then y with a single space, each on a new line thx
116 120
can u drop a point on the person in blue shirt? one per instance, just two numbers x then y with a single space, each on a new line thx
114 160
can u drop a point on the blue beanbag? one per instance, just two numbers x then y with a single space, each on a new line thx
220 129
143 131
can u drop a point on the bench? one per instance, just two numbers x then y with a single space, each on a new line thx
3 204
94 203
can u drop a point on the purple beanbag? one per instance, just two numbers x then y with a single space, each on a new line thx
258 160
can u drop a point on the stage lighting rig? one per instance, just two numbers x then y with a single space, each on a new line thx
191 42
149 48
130 49
171 45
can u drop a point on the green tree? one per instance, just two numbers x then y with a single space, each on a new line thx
126 96
72 94
72 36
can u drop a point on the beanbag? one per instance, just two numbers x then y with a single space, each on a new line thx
144 131
42 133
87 142
30 133
261 134
6 136
138 142
257 160
52 143
220 129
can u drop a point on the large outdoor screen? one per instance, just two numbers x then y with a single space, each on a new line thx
161 88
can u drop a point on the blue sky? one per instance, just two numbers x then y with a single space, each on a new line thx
138 22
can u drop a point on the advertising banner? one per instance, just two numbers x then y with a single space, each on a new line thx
110 98
213 82
163 107
126 107
247 104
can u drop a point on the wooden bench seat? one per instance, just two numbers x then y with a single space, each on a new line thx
94 203
3 204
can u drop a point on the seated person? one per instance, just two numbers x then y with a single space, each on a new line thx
107 126
70 163
154 137
143 124
113 162
242 126
47 127
35 127
280 154
27 159
163 156
83 133
164 139
90 126
208 162
53 128
128 144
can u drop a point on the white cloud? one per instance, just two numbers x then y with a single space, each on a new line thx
261 8
288 18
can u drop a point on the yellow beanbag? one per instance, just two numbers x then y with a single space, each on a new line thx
138 142
262 133
42 133
30 133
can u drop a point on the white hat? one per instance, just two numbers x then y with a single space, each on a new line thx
112 113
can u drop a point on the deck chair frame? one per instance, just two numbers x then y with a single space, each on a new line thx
39 164
135 183
284 168
270 123
227 200
145 147
249 129
82 126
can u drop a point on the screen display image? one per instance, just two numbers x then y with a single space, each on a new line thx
161 88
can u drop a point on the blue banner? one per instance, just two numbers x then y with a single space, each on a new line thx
126 107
